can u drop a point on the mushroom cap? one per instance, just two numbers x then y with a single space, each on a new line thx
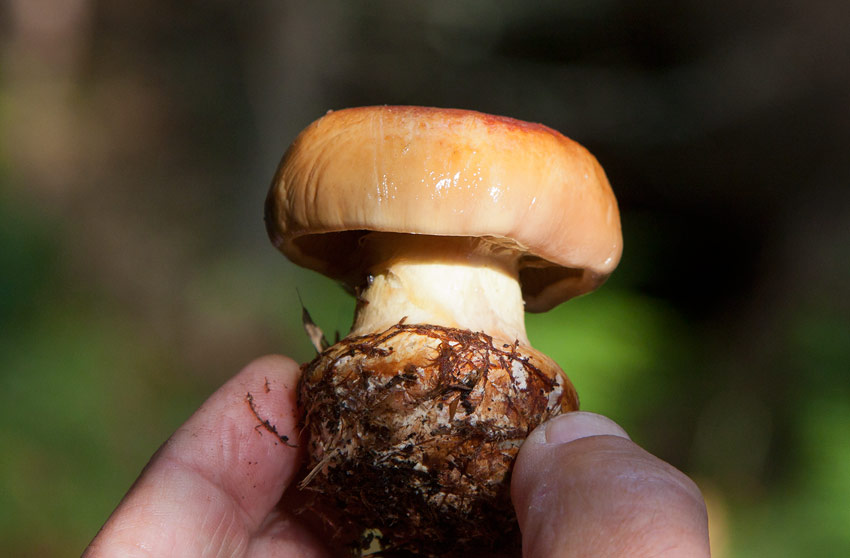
446 172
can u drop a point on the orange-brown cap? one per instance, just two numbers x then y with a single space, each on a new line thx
446 172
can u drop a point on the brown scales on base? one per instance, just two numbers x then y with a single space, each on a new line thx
413 432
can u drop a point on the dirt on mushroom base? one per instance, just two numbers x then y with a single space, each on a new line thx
412 433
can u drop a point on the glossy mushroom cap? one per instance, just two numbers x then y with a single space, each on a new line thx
446 172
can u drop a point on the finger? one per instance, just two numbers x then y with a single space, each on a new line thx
582 488
215 481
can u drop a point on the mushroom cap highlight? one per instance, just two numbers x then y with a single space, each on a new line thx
446 172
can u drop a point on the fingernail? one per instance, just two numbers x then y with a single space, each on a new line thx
573 426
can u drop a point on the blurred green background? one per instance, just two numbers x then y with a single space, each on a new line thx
137 140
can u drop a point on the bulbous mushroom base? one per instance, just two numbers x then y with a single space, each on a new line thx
412 433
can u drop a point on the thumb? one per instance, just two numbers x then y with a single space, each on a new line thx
581 487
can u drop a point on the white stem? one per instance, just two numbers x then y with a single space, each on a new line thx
454 282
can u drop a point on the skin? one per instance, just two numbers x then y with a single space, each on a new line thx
581 487
219 487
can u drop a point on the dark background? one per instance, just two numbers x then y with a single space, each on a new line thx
137 141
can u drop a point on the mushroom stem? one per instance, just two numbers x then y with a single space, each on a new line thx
466 283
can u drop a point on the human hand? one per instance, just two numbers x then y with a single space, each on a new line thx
218 486
581 488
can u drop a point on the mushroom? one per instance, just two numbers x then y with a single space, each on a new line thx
446 225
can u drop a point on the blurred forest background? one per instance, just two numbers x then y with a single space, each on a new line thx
137 141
